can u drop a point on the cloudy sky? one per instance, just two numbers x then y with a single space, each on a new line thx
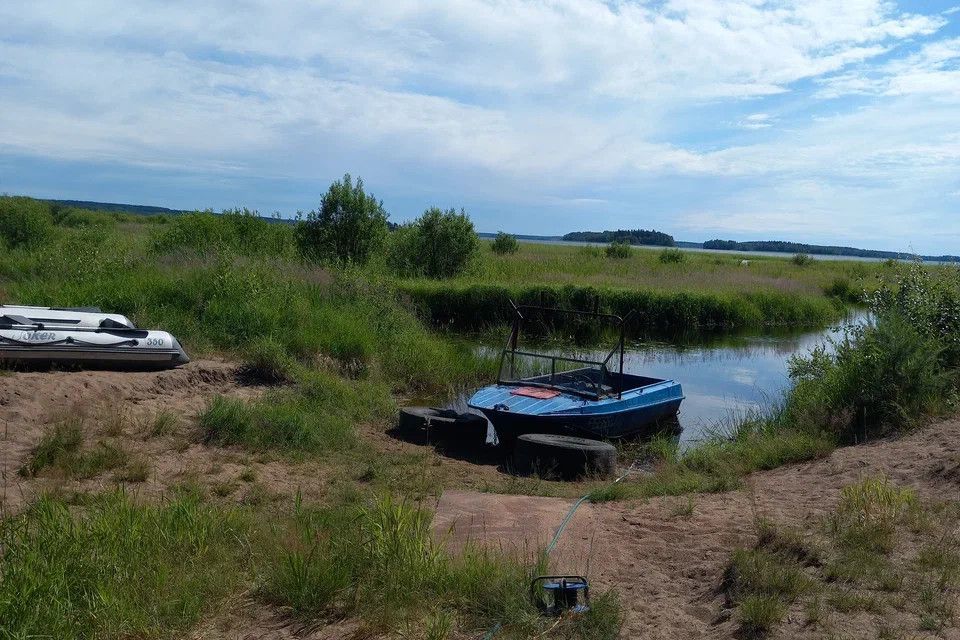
811 120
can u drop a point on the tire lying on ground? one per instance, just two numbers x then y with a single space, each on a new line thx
564 456
442 426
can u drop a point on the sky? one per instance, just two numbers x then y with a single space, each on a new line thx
810 120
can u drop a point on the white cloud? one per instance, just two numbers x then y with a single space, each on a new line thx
757 121
552 95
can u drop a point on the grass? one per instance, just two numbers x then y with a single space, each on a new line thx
644 268
60 451
319 416
379 561
116 569
868 558
719 463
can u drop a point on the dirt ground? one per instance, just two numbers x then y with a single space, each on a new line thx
667 567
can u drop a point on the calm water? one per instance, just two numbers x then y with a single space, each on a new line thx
745 255
721 380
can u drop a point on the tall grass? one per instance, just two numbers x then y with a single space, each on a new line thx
116 569
380 561
318 415
477 306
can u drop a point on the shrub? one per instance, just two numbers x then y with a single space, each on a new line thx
672 256
619 250
349 225
438 244
880 377
841 289
801 259
504 243
24 222
929 300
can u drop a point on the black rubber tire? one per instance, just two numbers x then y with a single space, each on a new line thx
564 456
427 424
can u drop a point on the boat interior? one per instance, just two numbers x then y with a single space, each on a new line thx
591 381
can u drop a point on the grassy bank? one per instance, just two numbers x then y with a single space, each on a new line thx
465 306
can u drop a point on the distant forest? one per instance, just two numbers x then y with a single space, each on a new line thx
630 236
780 246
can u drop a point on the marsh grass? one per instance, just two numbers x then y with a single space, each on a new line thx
116 569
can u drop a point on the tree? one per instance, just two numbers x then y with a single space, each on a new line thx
438 244
504 243
347 228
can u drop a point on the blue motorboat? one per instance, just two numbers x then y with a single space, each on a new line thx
570 395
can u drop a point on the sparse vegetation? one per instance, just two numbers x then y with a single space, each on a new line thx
61 451
858 561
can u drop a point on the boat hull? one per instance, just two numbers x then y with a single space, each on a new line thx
632 423
636 413
121 347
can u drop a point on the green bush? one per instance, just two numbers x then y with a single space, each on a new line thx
74 218
504 243
801 259
672 256
24 222
841 289
928 299
619 250
347 228
438 244
881 377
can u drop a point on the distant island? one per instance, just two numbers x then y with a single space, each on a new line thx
630 236
780 246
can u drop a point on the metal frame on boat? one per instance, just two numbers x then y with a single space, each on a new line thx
512 350
588 401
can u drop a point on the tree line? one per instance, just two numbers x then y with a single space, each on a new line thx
628 236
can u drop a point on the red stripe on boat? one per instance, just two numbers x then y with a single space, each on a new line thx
535 392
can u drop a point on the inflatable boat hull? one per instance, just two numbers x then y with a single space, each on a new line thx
41 335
